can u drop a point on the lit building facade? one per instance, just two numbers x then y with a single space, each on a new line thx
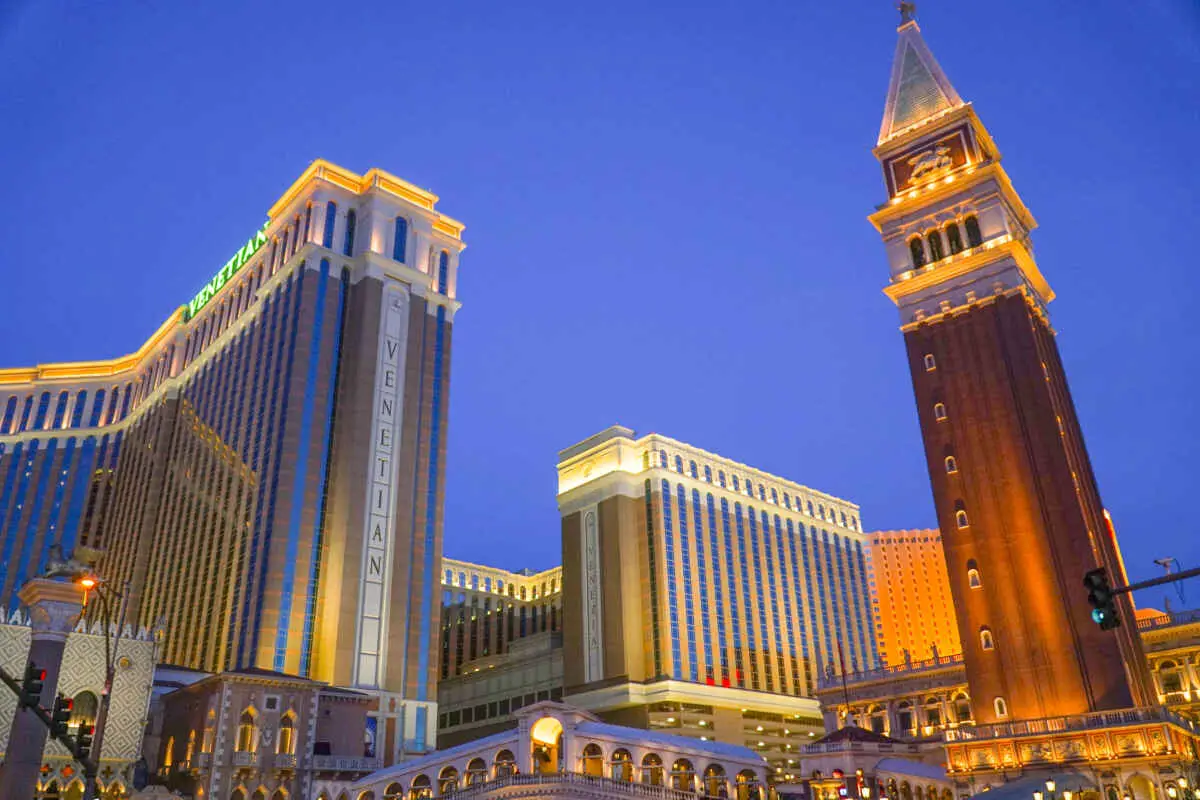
501 647
910 596
704 595
267 469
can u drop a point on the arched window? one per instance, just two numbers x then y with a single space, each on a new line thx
505 764
247 738
351 224
476 771
714 781
593 760
422 788
974 236
330 218
692 469
394 791
1170 677
400 240
973 580
1000 707
936 253
707 473
10 409
933 711
954 238
960 514
951 464
83 711
939 411
652 769
683 776
60 410
679 464
168 761
917 250
287 736
39 421
721 478
930 362
904 717
447 780
962 707
622 765
985 638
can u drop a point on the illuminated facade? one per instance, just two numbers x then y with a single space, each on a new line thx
267 469
910 595
501 647
704 595
1017 502
1018 508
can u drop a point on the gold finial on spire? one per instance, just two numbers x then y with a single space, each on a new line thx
907 10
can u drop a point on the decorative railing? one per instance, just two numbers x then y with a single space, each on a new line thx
1166 620
343 764
202 761
578 781
285 761
830 681
244 758
1078 722
819 748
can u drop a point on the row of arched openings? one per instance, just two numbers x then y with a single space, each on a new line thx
933 246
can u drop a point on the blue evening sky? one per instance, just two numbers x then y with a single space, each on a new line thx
665 207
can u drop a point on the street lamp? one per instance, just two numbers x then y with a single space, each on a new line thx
1050 786
1037 795
866 792
1172 792
90 583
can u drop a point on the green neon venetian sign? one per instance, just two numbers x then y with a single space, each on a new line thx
228 271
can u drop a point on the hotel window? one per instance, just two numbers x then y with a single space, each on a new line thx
974 236
1000 706
737 485
60 410
10 409
762 493
707 473
679 464
662 458
400 240
77 412
939 411
917 250
330 218
951 465
930 362
247 732
692 469
973 579
287 737
307 227
351 223
443 276
787 501
954 238
39 421
960 514
775 497
721 478
985 639
935 245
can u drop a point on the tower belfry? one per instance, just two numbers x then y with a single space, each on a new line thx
1017 503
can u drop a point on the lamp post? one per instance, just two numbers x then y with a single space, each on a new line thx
90 583
866 792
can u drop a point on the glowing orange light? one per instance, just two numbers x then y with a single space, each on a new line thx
87 582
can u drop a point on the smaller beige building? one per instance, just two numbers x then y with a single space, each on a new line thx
260 735
82 679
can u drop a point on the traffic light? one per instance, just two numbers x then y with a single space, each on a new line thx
83 741
60 716
31 685
1100 595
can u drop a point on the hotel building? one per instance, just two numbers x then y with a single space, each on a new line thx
705 595
266 471
910 596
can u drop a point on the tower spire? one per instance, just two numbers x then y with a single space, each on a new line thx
918 89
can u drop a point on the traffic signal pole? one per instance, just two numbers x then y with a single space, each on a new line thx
1101 595
1177 576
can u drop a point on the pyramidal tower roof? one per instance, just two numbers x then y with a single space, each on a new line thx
918 88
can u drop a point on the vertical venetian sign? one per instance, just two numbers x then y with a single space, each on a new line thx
593 667
378 533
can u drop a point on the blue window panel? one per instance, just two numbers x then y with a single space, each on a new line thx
688 600
814 653
300 479
662 458
865 591
51 521
25 412
721 478
714 551
422 723
125 401
773 582
97 408
34 513
18 461
729 573
60 410
751 633
789 612
692 469
796 606
39 421
763 630
672 581
10 411
679 464
80 487
351 224
319 533
400 240
707 474
330 219
850 646
443 276
702 580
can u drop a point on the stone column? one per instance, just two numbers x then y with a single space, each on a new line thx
54 609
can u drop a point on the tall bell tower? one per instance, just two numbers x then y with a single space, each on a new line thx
1017 503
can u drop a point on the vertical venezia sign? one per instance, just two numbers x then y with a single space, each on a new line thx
379 530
